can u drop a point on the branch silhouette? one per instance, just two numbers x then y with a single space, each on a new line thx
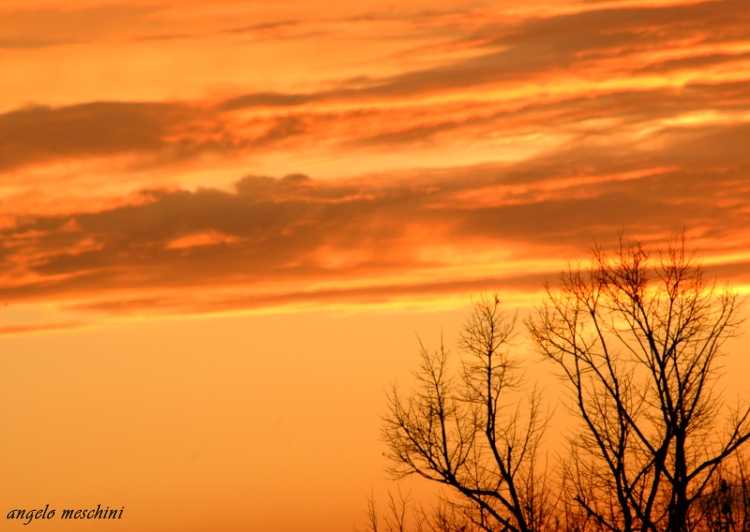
636 336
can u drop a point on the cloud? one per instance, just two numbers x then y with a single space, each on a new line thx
382 294
608 40
21 329
610 65
162 134
37 28
41 134
587 123
354 238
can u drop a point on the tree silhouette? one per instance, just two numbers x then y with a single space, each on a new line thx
462 429
637 338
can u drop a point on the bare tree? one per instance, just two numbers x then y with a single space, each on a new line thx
404 515
373 520
725 504
637 337
466 429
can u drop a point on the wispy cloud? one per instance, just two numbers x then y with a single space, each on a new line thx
45 27
299 239
481 143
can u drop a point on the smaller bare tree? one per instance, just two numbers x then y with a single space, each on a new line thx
468 429
725 503
404 515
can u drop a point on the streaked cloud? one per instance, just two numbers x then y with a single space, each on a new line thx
299 240
461 148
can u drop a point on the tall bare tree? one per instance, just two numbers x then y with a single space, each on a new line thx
468 430
637 337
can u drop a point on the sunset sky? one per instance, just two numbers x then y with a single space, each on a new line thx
224 222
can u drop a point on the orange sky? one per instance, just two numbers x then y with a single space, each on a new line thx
224 220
